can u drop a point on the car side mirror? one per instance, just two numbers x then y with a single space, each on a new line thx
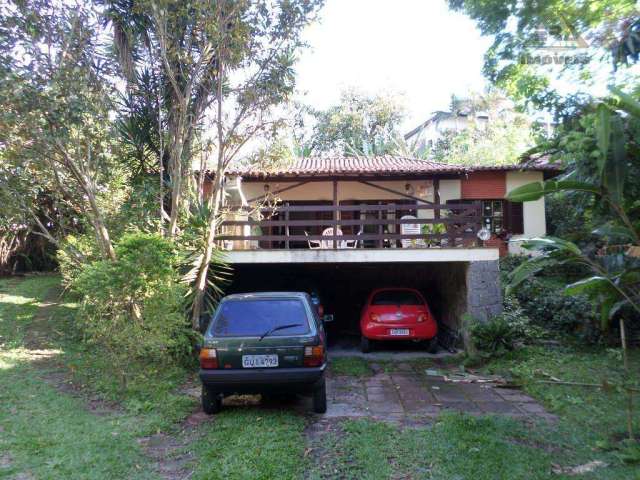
205 318
327 318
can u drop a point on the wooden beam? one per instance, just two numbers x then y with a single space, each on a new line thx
347 223
364 236
368 207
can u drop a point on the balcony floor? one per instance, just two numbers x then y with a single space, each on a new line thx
363 255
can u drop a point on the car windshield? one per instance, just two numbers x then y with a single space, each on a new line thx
249 318
396 297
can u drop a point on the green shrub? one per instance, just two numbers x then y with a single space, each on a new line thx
504 332
137 209
132 309
82 244
494 336
543 300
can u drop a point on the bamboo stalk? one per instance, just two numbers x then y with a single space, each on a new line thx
625 360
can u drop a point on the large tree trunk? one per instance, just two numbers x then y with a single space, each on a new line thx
101 229
215 197
203 271
85 183
176 127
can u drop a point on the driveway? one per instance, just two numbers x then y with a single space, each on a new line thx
408 395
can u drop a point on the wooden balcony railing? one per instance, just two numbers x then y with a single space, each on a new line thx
354 226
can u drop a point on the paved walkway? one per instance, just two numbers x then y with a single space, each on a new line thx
408 396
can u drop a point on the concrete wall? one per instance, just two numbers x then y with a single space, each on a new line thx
534 213
450 190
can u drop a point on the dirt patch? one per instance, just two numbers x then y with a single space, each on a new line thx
171 458
22 476
61 380
320 437
53 372
6 460
40 332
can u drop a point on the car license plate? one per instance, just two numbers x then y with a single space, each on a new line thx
259 361
399 332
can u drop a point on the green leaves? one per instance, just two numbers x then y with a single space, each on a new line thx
528 192
614 233
613 175
610 135
536 190
553 251
528 269
603 132
625 101
588 286
552 243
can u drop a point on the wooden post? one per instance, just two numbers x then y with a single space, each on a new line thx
286 227
382 215
436 196
335 213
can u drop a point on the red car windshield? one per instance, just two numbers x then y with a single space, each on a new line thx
396 297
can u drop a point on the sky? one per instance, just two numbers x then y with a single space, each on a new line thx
417 48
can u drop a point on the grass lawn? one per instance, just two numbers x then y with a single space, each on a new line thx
591 420
43 433
251 443
355 366
48 432
456 446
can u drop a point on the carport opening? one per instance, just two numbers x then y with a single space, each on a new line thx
344 287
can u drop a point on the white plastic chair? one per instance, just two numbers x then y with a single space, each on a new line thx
313 244
351 243
328 232
410 229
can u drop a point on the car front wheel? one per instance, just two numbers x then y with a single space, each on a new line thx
320 398
365 345
211 401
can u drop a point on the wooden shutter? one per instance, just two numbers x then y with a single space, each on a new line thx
514 217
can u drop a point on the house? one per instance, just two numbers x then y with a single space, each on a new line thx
425 135
354 223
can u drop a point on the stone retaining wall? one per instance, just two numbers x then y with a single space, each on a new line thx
484 296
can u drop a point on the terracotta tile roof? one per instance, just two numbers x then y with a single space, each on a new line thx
347 166
383 165
532 163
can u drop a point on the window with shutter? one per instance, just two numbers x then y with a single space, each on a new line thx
514 217
499 216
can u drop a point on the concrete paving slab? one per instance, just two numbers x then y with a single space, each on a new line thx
404 396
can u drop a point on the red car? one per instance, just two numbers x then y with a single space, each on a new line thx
397 314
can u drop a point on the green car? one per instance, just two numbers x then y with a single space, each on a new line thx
267 343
